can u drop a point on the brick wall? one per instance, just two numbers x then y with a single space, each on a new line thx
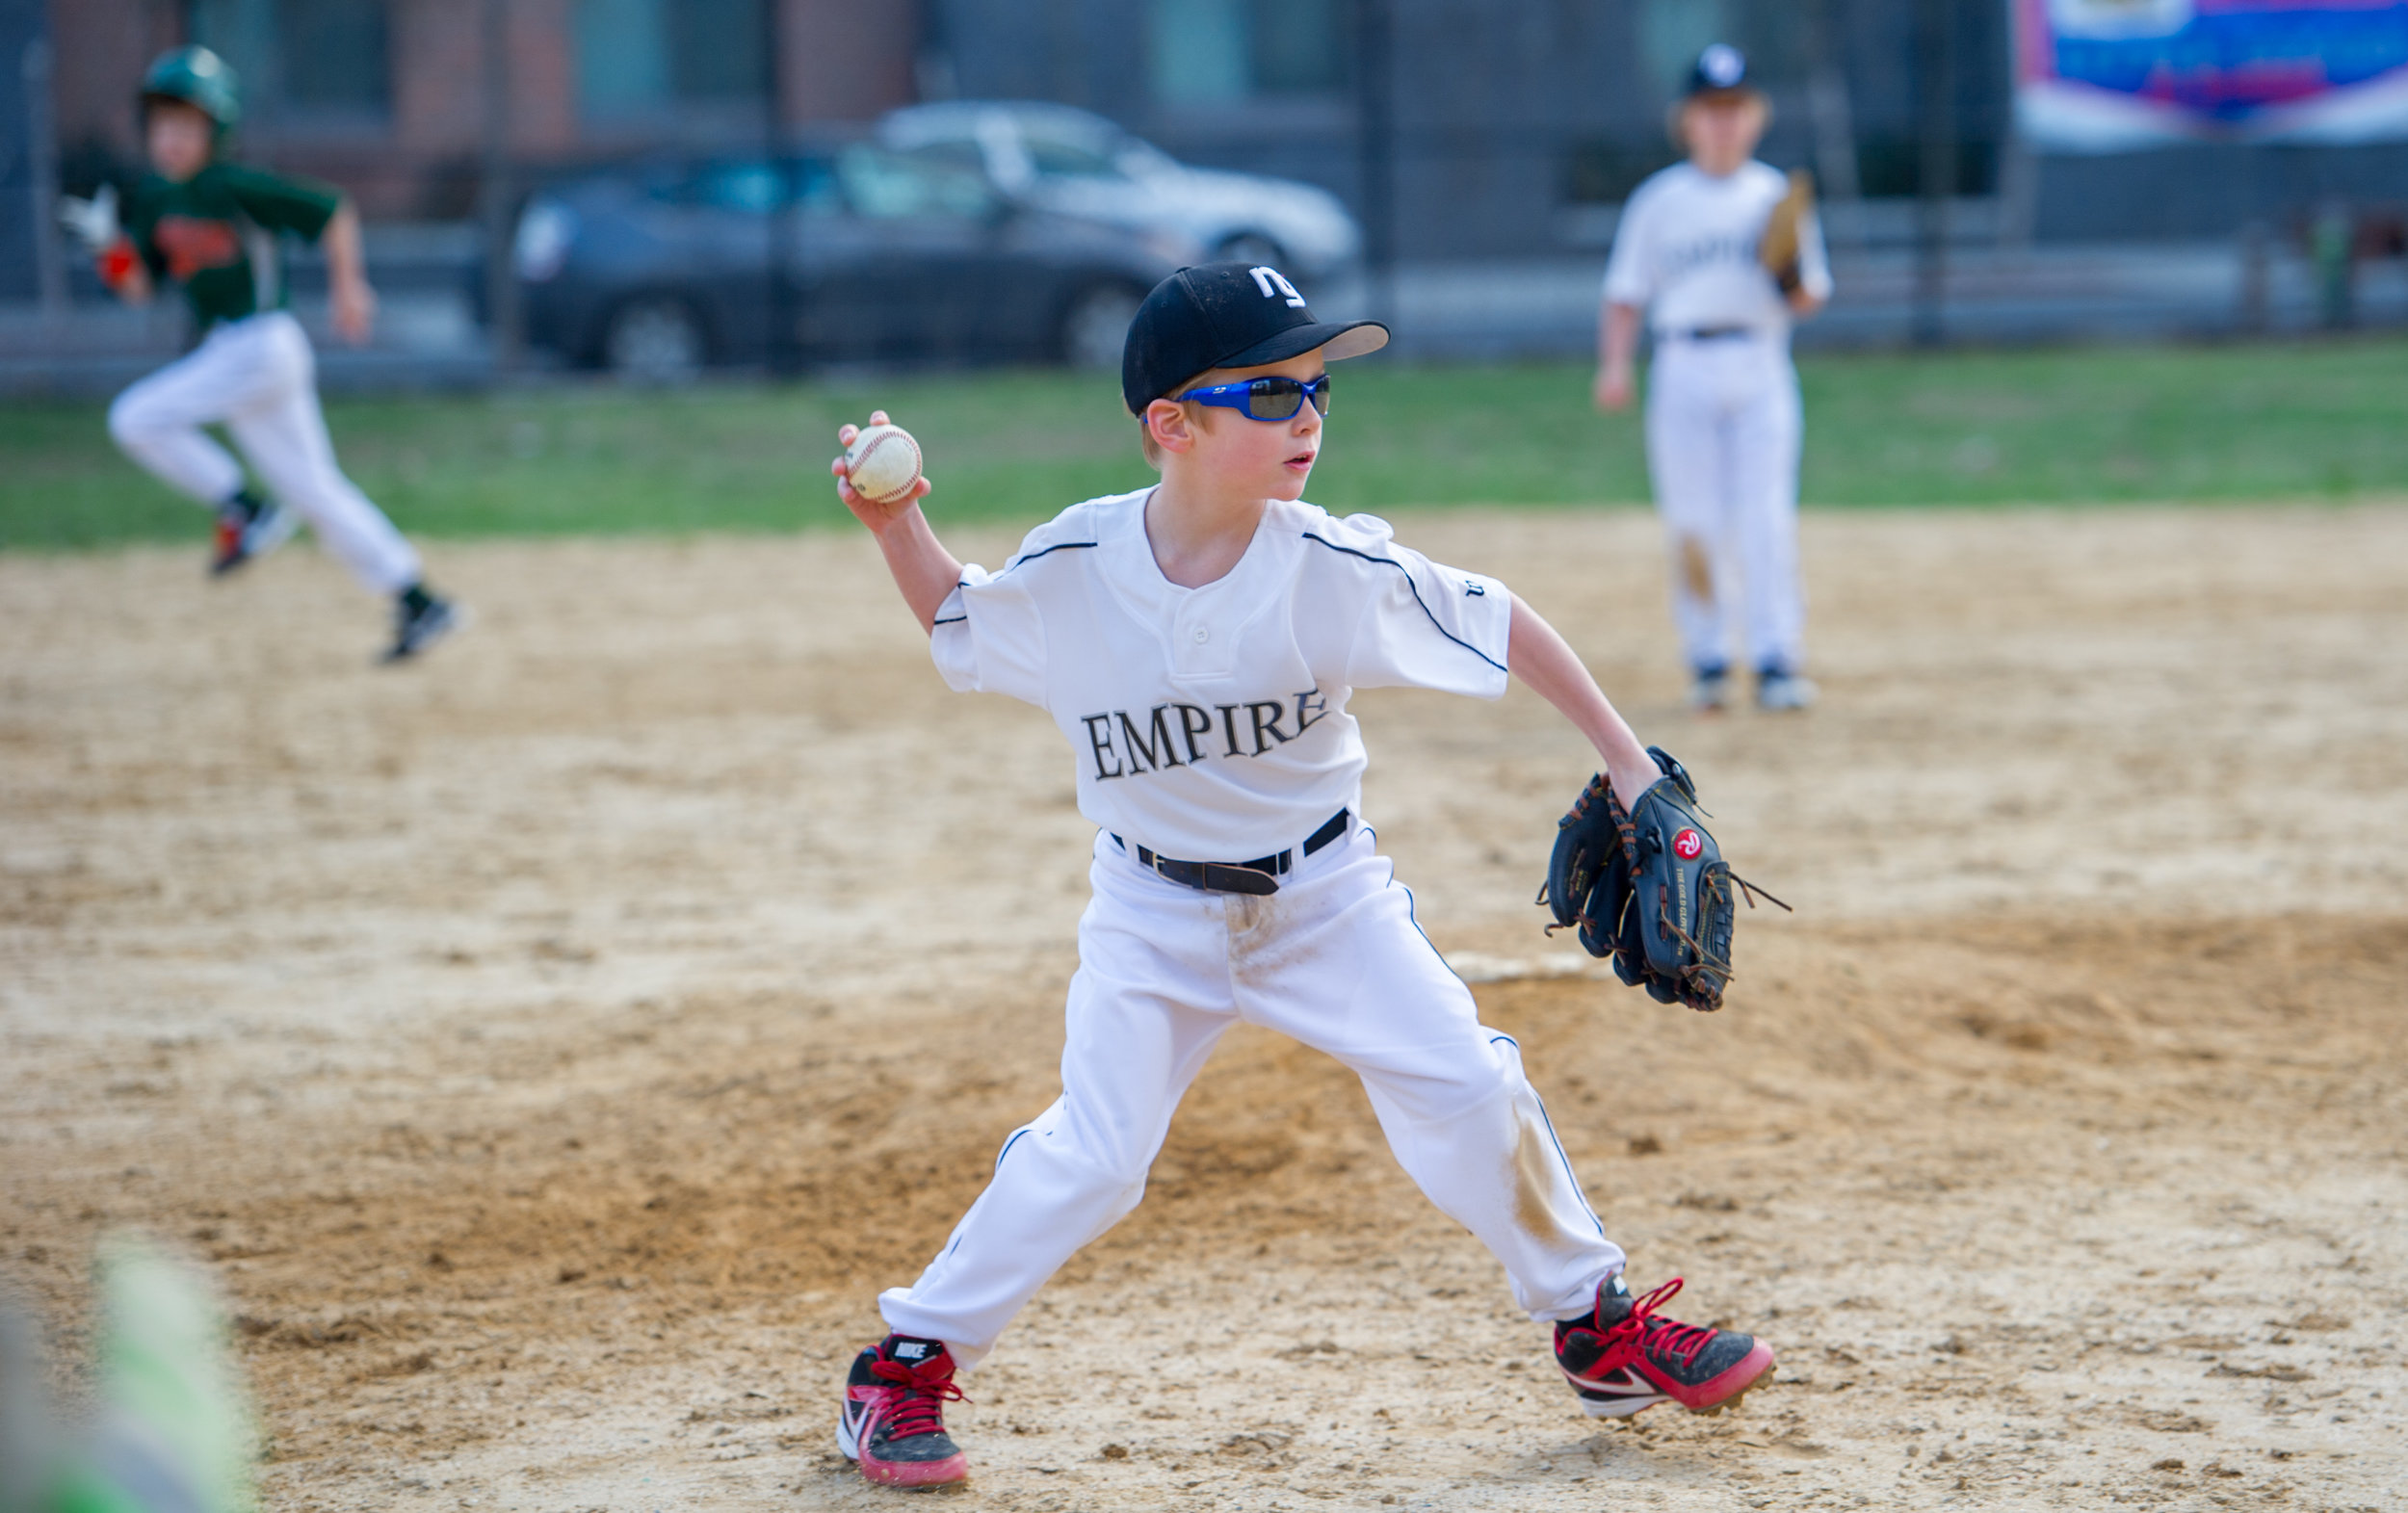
845 60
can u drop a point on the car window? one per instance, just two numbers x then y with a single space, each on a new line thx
1055 159
888 186
751 187
816 186
1141 159
956 154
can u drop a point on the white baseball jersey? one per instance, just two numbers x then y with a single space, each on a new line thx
1210 724
1686 249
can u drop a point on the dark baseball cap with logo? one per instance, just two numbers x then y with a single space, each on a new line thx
1721 69
1227 315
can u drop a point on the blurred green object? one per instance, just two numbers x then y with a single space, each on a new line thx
2064 426
170 1432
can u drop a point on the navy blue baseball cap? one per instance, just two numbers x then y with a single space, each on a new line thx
1227 315
1720 68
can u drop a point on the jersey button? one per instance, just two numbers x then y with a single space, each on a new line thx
1202 636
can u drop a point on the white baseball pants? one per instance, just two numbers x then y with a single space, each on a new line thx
258 377
1723 429
1333 959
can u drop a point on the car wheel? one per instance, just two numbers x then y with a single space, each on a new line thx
1254 249
655 341
1096 327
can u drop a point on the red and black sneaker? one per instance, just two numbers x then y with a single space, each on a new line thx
248 527
1623 1357
894 1420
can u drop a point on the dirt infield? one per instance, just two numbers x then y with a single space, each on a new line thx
554 1047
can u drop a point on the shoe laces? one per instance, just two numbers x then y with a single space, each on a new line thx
925 1390
1660 1336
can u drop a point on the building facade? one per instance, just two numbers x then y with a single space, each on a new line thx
1458 128
1496 127
388 97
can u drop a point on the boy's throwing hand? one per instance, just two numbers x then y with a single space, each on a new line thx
875 515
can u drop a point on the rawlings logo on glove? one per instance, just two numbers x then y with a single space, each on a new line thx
1647 887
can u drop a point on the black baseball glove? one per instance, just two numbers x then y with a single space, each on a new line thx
1647 887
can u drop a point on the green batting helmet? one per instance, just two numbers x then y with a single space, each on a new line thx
198 77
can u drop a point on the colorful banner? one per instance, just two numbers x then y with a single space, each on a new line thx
2109 75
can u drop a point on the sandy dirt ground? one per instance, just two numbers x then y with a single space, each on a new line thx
554 1047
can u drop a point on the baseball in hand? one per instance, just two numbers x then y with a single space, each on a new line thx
882 463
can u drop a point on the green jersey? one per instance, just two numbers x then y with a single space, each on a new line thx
215 234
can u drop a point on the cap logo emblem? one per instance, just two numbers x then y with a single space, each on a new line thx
1686 845
1274 285
1721 64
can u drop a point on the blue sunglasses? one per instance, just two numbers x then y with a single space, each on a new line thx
1265 399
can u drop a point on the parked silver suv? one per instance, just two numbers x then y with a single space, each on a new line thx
1074 163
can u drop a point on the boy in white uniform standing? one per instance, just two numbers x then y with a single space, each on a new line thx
1723 421
1198 642
211 225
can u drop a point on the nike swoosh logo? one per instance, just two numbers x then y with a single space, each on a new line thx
1625 1386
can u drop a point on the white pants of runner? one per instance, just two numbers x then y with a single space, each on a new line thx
1723 429
258 377
1333 959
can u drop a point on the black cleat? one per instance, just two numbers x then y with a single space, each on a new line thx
420 619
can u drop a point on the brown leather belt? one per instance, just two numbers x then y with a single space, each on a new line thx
1258 876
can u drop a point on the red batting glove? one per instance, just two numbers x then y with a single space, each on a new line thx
118 264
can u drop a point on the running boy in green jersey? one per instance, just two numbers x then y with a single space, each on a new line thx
211 227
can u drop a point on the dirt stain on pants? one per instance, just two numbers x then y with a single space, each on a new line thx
1534 1171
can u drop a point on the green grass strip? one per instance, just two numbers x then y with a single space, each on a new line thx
2322 420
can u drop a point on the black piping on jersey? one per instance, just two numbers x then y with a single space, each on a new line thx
1058 547
1417 598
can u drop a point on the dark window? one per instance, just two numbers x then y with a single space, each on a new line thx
641 57
1298 46
717 50
311 59
335 54
1207 52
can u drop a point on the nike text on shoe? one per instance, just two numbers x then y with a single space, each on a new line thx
248 527
1625 1357
894 1419
420 621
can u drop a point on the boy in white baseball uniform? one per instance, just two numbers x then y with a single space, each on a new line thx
211 227
1723 419
1198 642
